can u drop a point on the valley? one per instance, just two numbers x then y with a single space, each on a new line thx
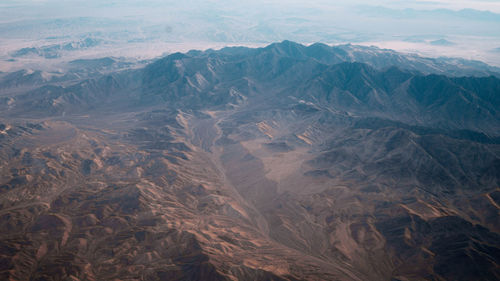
287 162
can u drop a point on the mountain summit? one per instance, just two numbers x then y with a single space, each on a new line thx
287 162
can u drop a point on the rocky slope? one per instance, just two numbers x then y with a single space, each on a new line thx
280 163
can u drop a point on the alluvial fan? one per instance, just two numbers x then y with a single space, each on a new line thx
287 162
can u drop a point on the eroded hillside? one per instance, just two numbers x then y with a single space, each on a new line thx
280 163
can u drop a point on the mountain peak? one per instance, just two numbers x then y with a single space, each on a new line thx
288 48
252 164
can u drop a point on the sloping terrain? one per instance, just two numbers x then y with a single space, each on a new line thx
279 163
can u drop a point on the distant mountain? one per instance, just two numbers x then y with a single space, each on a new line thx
442 42
289 70
292 70
380 58
54 51
287 162
464 14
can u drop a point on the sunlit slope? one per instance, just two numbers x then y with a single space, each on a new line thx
278 163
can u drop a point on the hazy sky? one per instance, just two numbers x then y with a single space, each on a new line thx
148 28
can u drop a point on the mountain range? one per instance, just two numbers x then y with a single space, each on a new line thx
287 162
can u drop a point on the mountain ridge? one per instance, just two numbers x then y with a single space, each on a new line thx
252 164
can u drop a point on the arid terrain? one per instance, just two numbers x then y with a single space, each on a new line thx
287 162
